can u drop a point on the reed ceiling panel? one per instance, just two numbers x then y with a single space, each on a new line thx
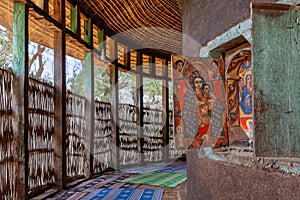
147 24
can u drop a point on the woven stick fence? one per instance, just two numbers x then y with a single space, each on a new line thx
40 136
173 151
8 164
102 137
153 135
128 135
76 136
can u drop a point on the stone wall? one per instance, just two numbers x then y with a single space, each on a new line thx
211 179
206 19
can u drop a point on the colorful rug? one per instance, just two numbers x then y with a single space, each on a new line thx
161 179
144 169
173 169
104 181
161 167
69 195
124 194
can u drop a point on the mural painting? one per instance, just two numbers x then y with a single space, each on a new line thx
239 92
199 106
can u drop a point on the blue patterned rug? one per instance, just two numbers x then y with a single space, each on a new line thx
144 169
173 169
104 181
124 194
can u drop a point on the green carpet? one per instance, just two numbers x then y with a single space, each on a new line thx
161 179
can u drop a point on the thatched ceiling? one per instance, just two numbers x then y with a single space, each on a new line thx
139 23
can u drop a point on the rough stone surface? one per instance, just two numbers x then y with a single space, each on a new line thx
206 19
210 179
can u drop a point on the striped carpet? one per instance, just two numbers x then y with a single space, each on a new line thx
104 181
161 179
124 194
173 169
144 169
176 167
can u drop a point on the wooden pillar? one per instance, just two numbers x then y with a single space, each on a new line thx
89 110
89 95
88 31
152 65
295 90
115 110
75 20
46 6
102 42
275 56
165 91
140 107
60 128
127 57
20 98
113 50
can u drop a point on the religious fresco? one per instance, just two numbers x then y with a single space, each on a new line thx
239 91
199 101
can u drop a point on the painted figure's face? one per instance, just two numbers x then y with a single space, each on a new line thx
247 63
198 82
232 115
206 89
179 66
248 79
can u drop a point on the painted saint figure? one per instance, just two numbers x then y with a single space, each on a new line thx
196 113
179 83
246 96
246 65
179 92
205 112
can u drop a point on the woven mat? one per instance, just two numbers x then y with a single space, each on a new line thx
173 169
161 179
124 194
144 169
104 181
176 167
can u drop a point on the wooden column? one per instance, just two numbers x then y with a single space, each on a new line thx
90 100
75 20
165 94
46 6
294 83
127 57
115 110
113 50
88 31
140 107
276 80
60 128
152 65
101 42
89 110
20 98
